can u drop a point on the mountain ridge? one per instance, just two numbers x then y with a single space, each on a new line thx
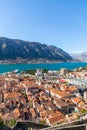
16 48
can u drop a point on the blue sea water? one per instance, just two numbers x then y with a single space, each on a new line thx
50 66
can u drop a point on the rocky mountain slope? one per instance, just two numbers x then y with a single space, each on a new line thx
14 48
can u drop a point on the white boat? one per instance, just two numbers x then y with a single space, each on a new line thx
15 71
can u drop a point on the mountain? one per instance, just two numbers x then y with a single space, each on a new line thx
14 48
80 56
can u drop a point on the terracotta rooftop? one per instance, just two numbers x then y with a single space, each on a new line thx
76 99
56 119
12 95
72 88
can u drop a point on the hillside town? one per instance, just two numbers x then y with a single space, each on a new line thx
51 98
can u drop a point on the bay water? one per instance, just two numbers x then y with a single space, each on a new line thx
50 66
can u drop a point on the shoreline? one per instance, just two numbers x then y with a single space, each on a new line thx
36 62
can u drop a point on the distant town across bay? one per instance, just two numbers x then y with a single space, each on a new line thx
50 66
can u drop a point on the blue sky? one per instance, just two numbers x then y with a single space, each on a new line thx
62 23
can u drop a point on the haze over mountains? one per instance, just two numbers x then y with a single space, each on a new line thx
80 56
14 48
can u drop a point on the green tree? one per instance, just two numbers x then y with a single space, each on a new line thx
30 72
44 71
1 124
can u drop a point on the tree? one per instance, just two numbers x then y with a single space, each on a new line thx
44 71
1 124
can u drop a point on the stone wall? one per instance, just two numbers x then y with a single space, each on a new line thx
75 127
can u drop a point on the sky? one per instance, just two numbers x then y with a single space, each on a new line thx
62 23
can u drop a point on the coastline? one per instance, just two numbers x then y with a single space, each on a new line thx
33 61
